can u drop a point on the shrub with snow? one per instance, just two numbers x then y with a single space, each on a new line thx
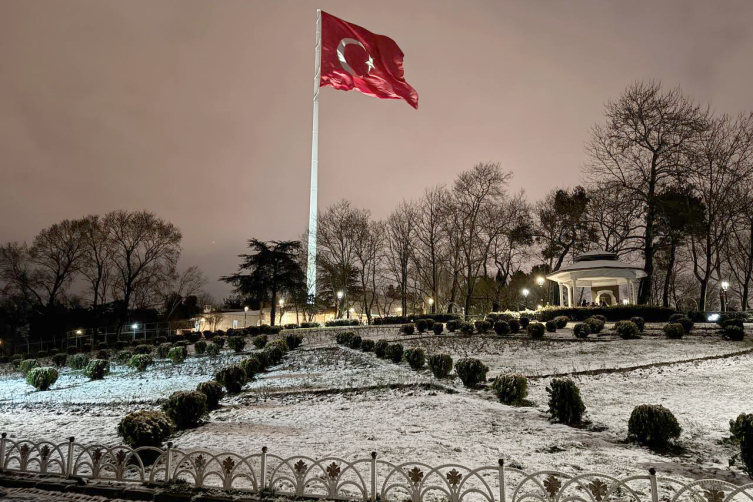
213 349
236 343
59 360
471 371
675 331
421 325
561 321
97 369
186 408
627 330
232 377
581 330
78 361
734 333
142 349
355 342
344 338
27 365
535 330
252 366
466 328
274 354
511 388
140 362
565 403
213 391
737 427
514 325
440 365
639 322
453 325
524 322
437 328
162 350
367 345
145 428
551 326
394 352
380 349
502 328
415 358
200 347
483 326
177 354
42 378
293 341
260 341
407 329
595 324
123 356
653 425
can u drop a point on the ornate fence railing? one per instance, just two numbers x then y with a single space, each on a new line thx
368 479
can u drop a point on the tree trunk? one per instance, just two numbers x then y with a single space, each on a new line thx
668 276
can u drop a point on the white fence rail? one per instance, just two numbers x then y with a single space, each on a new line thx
368 480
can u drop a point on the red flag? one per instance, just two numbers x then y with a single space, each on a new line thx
355 58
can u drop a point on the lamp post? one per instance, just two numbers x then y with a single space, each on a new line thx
134 327
340 295
282 306
725 287
525 295
245 311
540 282
431 305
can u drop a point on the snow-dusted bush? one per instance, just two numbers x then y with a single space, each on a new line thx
177 354
78 361
514 325
639 322
219 340
437 328
310 324
237 343
213 349
142 349
408 329
415 358
524 322
380 349
421 325
200 347
675 318
394 352
551 326
123 356
367 345
600 317
252 366
274 354
627 330
674 330
737 427
440 365
145 428
565 403
27 365
42 378
581 330
59 360
595 324
453 325
186 408
471 371
97 369
502 328
734 333
653 425
163 350
232 378
344 338
140 362
511 388
355 342
687 324
466 328
293 341
213 391
535 330
561 321
483 326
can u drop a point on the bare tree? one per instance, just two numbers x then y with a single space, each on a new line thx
368 251
431 239
401 229
97 262
185 284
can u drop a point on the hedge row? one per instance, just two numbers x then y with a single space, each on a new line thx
615 313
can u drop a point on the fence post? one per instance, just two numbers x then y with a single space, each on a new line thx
167 461
69 464
501 471
2 450
373 476
654 488
263 468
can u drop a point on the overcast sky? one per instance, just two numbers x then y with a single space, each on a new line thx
200 110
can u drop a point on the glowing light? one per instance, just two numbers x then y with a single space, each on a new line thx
340 295
78 332
282 302
135 326
540 280
725 285
539 307
525 292
431 301
713 317
245 308
352 310
625 302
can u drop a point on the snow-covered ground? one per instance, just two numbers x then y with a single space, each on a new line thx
328 400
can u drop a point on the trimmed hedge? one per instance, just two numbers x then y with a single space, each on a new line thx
502 328
674 331
535 330
471 371
367 345
653 425
42 378
380 349
628 330
565 403
438 328
232 378
581 330
140 362
97 369
394 352
649 313
177 354
415 358
186 408
145 428
734 333
213 391
551 326
440 365
511 388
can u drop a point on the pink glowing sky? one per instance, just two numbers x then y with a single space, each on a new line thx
201 110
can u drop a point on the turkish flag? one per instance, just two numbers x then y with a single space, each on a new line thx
355 58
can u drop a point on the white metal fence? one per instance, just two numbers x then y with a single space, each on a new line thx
368 479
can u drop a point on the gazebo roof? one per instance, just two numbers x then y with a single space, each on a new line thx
598 264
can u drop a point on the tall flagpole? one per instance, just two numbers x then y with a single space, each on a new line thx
313 213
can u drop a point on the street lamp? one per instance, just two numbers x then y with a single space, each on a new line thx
431 305
725 287
540 280
282 306
134 326
245 311
625 301
340 295
525 295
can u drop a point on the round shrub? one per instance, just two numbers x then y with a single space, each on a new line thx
627 330
78 361
438 328
653 425
415 358
524 322
252 366
561 321
471 371
535 330
27 365
213 392
595 324
453 325
581 330
232 378
123 357
737 427
600 317
177 354
213 349
551 326
421 325
237 343
639 322
565 404
466 328
675 318
293 341
140 362
502 328
408 329
483 326
142 349
344 338
380 349
732 322
59 360
186 408
394 352
675 331
367 345
514 325
355 342
734 333
440 365
511 388
162 350
274 354
145 428
97 369
687 324
200 347
219 340
42 378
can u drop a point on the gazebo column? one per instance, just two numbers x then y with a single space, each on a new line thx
571 295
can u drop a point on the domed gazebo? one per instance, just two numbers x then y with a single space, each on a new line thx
603 273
